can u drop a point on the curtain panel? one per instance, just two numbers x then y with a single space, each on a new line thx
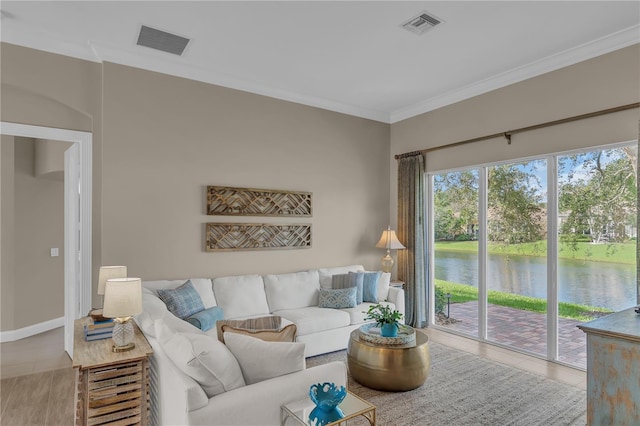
411 232
637 221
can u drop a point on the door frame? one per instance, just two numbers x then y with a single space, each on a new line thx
77 214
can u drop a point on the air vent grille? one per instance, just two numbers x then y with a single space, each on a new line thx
162 40
422 23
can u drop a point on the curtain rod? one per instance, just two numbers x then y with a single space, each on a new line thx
508 133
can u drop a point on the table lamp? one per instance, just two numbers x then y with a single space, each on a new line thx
122 300
388 241
106 272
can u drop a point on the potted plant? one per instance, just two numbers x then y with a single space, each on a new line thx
385 318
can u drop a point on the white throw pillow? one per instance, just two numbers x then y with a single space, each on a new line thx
260 360
206 360
383 286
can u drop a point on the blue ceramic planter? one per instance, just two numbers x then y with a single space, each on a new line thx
389 330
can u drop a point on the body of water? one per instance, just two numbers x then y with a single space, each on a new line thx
606 285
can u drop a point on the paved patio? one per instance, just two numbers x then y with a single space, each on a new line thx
520 329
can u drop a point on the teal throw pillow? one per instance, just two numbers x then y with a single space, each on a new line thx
338 298
347 281
206 319
370 286
183 301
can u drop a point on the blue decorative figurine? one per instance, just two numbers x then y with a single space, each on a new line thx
327 396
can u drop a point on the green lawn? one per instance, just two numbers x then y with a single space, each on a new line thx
624 253
465 293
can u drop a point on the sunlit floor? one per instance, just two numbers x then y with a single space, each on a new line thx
551 370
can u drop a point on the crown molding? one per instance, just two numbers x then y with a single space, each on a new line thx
610 43
166 64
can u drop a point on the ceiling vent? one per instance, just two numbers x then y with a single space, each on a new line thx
422 23
162 40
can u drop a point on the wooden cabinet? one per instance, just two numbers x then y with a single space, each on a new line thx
111 388
613 369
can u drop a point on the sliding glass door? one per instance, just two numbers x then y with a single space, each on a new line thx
525 251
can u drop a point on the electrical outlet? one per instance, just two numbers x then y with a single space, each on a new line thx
54 252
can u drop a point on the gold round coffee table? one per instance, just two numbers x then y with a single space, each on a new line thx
389 367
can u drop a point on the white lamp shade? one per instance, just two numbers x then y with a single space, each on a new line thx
389 241
108 272
122 297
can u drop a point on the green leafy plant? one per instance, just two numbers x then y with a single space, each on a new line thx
382 314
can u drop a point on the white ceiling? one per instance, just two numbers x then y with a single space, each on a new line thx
347 56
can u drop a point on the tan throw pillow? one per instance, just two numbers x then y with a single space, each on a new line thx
271 322
286 334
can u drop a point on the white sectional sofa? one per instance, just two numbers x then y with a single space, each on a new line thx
178 399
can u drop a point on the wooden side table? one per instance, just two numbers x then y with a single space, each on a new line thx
111 388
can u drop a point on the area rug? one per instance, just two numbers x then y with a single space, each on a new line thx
464 389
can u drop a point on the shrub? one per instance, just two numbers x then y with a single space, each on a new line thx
440 300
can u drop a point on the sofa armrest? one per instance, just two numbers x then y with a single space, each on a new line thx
170 384
259 403
396 296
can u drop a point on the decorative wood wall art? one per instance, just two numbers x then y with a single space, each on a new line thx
257 236
228 201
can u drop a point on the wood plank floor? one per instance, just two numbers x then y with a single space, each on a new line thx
37 386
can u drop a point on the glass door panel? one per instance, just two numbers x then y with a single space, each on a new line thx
455 198
596 242
516 256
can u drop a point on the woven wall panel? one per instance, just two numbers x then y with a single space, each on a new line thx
257 236
228 201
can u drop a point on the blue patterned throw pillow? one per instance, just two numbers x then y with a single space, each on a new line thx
206 320
370 286
338 298
183 301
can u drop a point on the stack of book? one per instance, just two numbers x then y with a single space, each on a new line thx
98 330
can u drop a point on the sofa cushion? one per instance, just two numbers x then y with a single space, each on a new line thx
202 285
206 360
352 279
241 296
292 291
357 314
338 298
260 360
286 334
314 319
206 319
325 274
183 301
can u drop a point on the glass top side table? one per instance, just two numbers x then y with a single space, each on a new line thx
352 406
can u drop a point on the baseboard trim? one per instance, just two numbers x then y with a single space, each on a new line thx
31 330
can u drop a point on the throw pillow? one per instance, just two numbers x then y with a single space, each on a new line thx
286 334
206 360
260 360
271 322
350 279
370 286
183 301
206 319
338 299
